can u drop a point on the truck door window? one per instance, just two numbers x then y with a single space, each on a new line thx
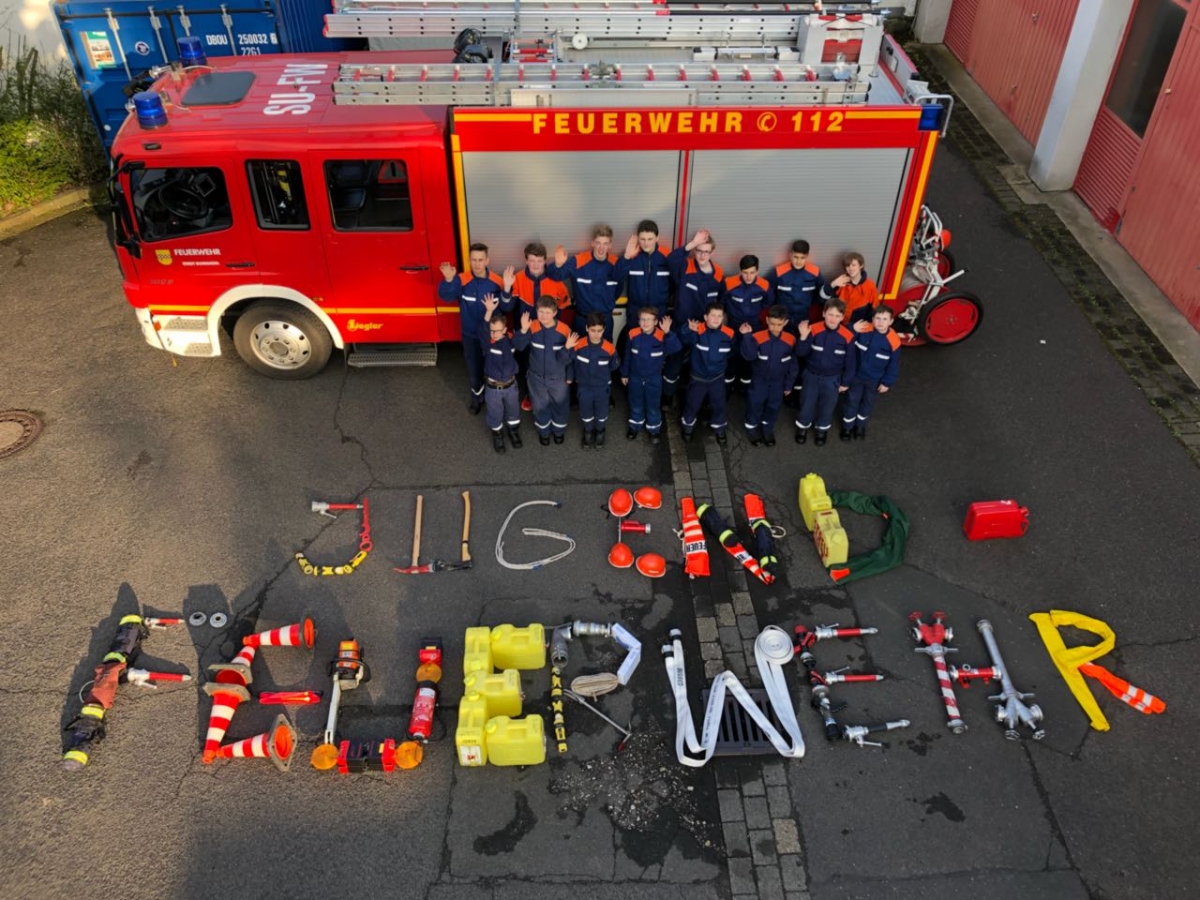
176 202
278 193
369 194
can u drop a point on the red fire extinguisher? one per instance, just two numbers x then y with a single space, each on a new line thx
429 673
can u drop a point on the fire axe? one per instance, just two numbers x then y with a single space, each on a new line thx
438 565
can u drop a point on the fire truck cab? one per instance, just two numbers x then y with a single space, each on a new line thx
304 203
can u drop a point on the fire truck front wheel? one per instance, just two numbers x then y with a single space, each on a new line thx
281 340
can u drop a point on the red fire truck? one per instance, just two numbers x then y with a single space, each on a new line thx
304 203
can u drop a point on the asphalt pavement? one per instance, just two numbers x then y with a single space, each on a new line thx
183 488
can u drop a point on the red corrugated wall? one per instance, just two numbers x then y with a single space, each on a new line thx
1013 51
960 29
1160 227
1106 167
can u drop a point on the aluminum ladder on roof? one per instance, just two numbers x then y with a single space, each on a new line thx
596 19
538 84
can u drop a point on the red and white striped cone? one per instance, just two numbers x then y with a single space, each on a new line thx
226 699
277 745
236 671
287 636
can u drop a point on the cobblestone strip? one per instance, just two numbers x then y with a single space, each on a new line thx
1147 362
762 838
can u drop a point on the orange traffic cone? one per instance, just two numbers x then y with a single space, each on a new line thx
287 636
226 699
276 745
236 671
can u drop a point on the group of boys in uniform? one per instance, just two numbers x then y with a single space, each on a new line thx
849 349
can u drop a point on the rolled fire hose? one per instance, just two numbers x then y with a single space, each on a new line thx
772 651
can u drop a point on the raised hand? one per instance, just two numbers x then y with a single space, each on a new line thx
490 303
745 328
804 329
525 320
631 248
510 278
572 339
694 324
665 324
448 271
560 255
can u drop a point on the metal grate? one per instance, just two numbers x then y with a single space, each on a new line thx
364 356
739 735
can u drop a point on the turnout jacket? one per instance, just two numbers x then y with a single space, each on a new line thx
549 355
594 280
469 291
829 352
711 349
745 302
860 296
797 289
772 360
595 364
527 289
499 362
646 353
647 280
877 358
694 289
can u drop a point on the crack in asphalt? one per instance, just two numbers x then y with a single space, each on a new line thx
348 438
1051 818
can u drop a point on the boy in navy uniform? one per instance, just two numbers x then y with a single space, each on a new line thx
712 345
593 276
746 296
878 367
829 349
771 355
500 378
550 374
595 361
698 282
798 285
644 270
642 371
522 290
468 291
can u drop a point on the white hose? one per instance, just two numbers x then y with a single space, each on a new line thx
533 532
772 651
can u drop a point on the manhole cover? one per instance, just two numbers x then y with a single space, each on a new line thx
18 429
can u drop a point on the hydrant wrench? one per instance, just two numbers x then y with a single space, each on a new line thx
933 635
1011 710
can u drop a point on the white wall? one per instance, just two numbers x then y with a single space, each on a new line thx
32 22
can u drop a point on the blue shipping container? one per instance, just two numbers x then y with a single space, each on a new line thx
112 42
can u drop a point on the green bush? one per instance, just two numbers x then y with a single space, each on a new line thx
47 140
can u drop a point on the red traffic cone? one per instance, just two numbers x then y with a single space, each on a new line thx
277 745
287 636
226 699
236 671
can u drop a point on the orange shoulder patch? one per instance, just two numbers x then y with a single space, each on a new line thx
789 339
607 346
782 268
728 331
812 268
762 282
732 281
846 333
893 339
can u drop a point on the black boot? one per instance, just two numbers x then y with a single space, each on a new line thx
588 438
769 439
514 435
476 405
801 435
498 441
599 442
544 439
861 431
559 438
821 438
631 434
721 438
847 433
754 436
687 436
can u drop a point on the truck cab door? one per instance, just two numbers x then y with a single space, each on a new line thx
376 248
185 236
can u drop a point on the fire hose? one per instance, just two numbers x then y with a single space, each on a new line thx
772 651
364 540
533 532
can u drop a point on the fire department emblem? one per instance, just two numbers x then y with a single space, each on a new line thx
163 257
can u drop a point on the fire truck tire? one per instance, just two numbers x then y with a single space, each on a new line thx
950 318
282 340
